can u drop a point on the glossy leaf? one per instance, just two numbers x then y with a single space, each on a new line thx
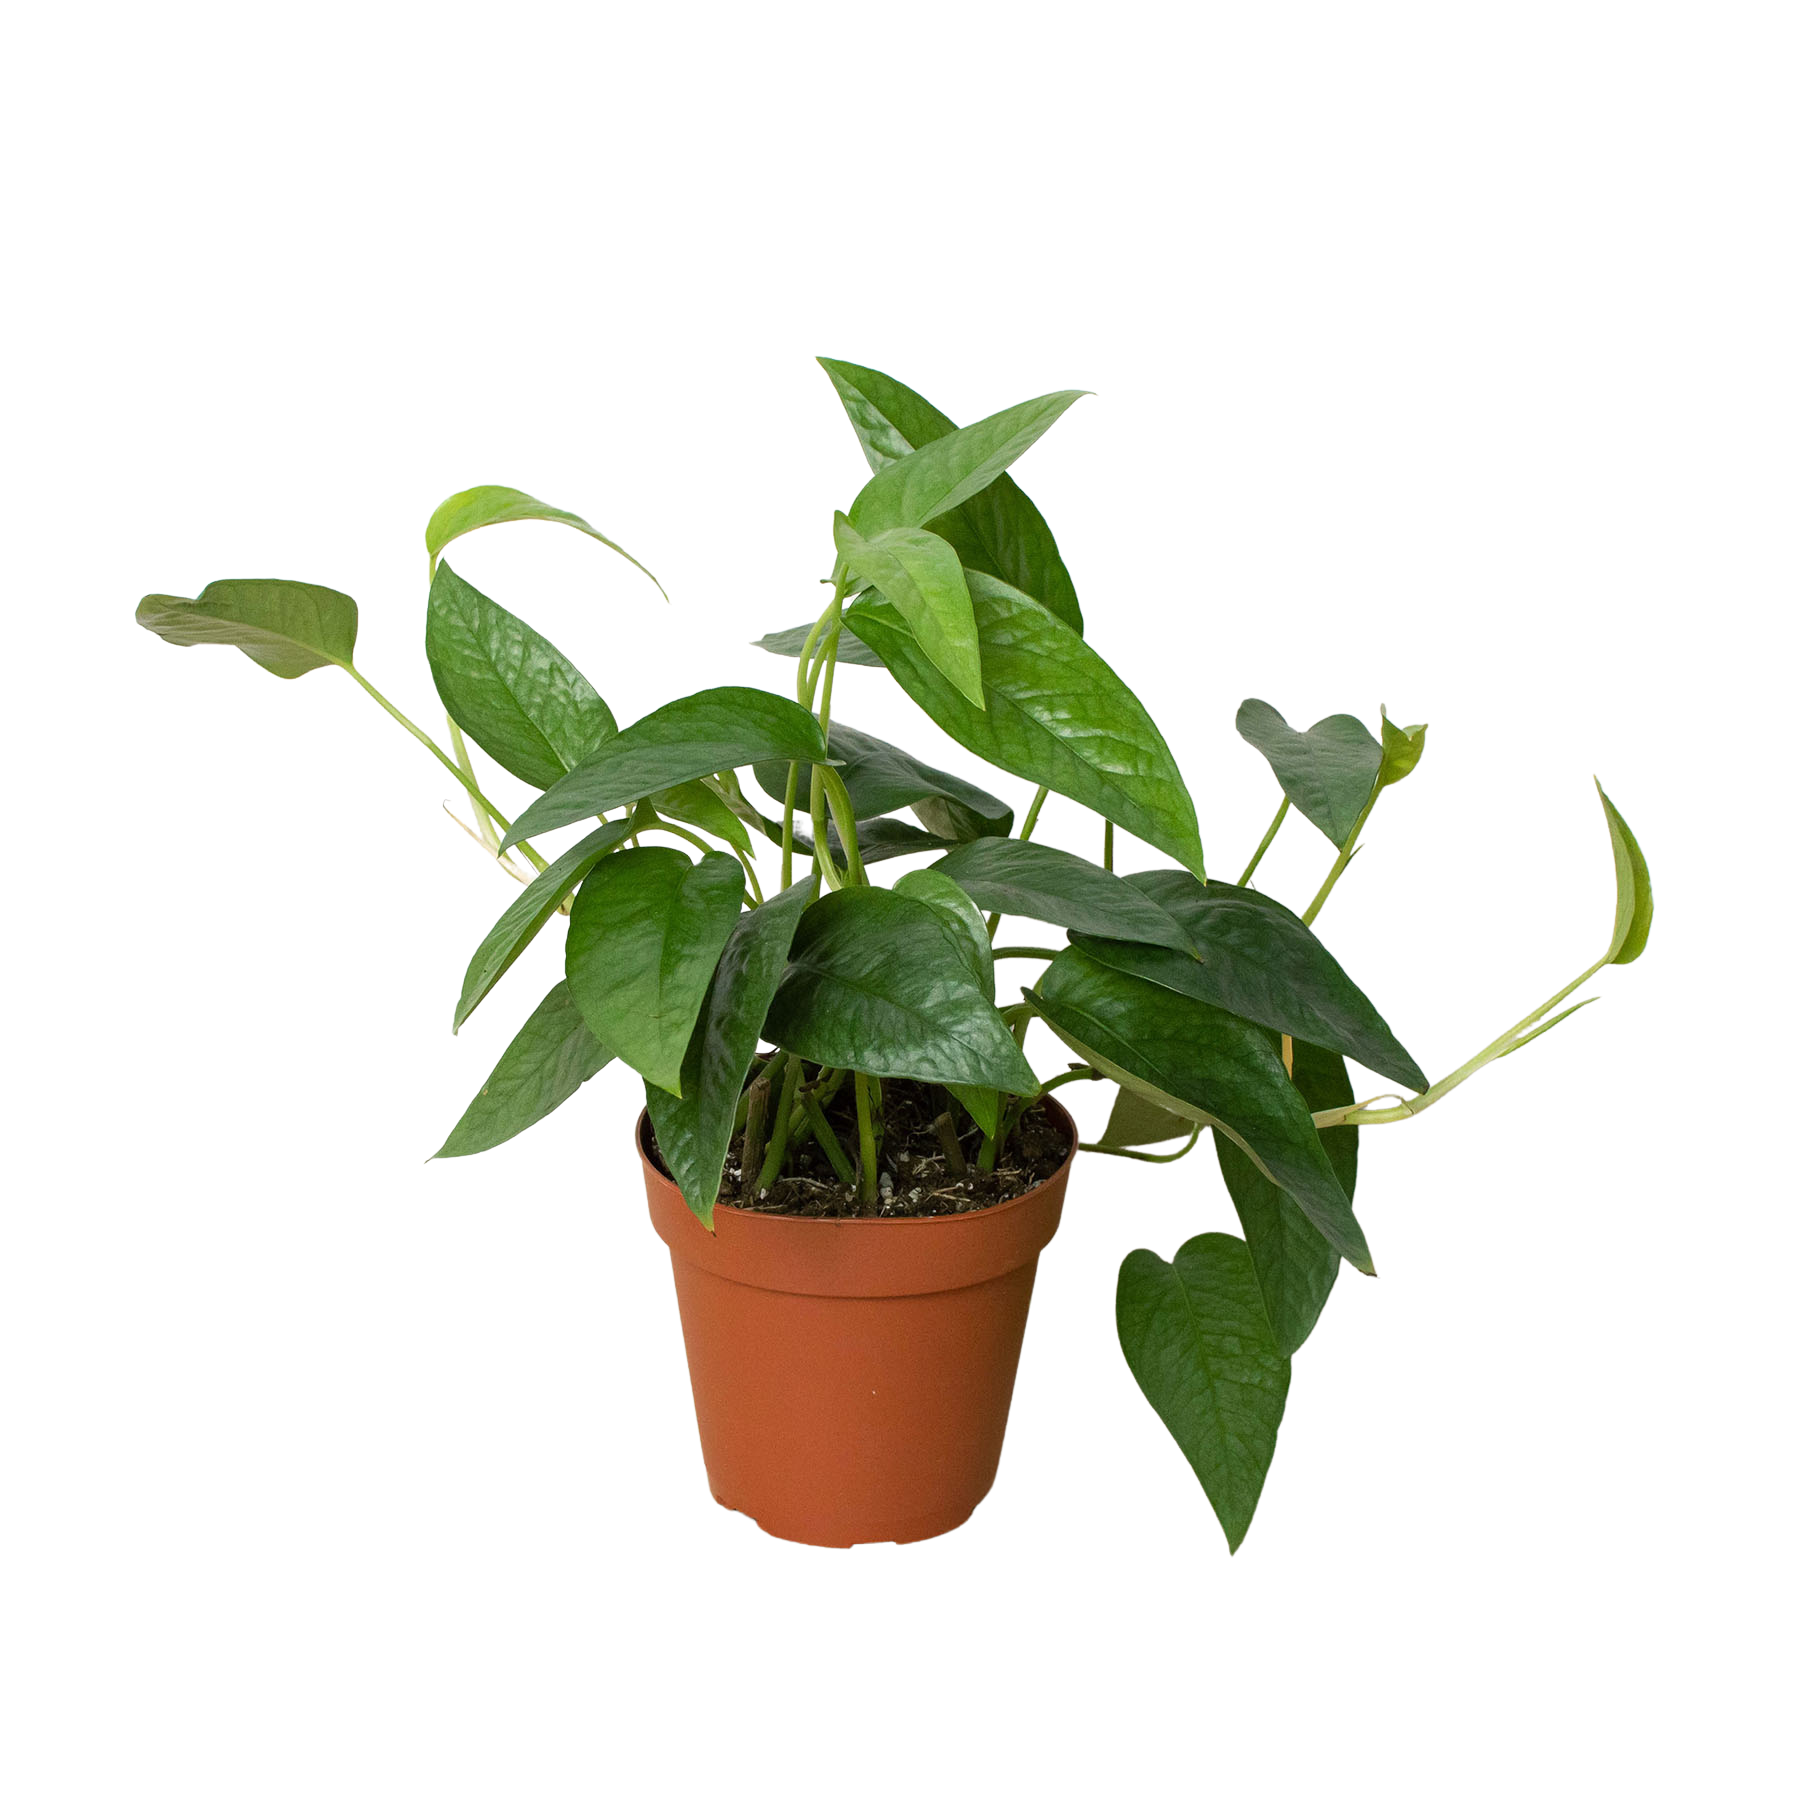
530 912
878 840
1037 881
960 914
286 627
476 507
1215 1069
1196 1340
511 690
1056 714
718 728
877 982
1631 918
553 1054
998 531
700 803
881 778
645 935
921 575
1137 1120
1329 771
1256 959
693 1132
1295 1267
1401 748
851 648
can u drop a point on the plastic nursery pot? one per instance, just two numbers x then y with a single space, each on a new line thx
852 1376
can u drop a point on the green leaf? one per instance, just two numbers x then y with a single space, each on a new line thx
851 648
877 982
940 476
1295 1267
880 778
998 531
1259 961
645 935
286 627
1137 1120
960 914
1195 1337
693 1132
921 575
700 803
1036 881
530 912
512 691
478 506
553 1054
878 839
1056 714
1631 920
1401 748
1193 1059
700 734
1328 772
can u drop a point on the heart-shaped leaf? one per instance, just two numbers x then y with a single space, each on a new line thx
1056 714
645 935
1631 917
553 1054
511 690
1329 772
476 507
286 627
1401 748
1196 1340
959 913
851 648
693 1132
921 575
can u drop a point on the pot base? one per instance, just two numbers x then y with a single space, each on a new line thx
908 1531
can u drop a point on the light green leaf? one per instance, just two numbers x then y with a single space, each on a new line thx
645 935
553 1054
1195 1337
1631 920
1329 772
851 648
1401 748
700 803
960 914
920 574
478 506
286 627
1137 1120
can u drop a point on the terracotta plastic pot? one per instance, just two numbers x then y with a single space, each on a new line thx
852 1376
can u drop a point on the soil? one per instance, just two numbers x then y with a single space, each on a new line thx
915 1179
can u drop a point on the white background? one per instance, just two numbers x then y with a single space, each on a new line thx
1442 356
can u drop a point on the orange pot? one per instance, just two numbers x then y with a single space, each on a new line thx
852 1376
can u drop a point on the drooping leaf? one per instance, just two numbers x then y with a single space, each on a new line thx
998 531
1401 748
530 912
881 778
478 506
693 1132
553 1054
1196 1340
1037 881
1329 772
1631 919
851 648
877 982
511 690
1259 961
921 575
1213 1068
700 803
286 627
1295 1267
940 476
1056 714
700 734
645 935
1136 1120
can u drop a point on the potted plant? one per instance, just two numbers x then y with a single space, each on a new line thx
844 1144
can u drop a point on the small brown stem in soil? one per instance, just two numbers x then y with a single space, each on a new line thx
954 1160
755 1118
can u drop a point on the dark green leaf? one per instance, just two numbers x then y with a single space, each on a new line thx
957 911
998 531
878 983
1631 919
530 912
877 839
645 935
1328 772
1215 1069
1137 1120
1194 1334
1056 714
551 1057
1295 1267
1257 960
719 728
1038 882
287 627
851 648
511 690
694 1132
1401 748
478 506
920 574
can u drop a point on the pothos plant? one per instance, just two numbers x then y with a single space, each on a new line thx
1206 1003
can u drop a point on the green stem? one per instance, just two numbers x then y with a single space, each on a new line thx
1342 863
828 1140
787 826
837 797
1026 950
778 1138
865 1139
1082 1074
483 823
1281 812
1031 814
1151 1156
1106 859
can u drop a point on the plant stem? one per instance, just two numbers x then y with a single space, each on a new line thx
1026 950
1281 812
1031 814
954 1160
778 1138
828 1140
1151 1156
837 797
755 1117
865 1138
1084 1073
787 826
1106 859
1343 861
483 823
